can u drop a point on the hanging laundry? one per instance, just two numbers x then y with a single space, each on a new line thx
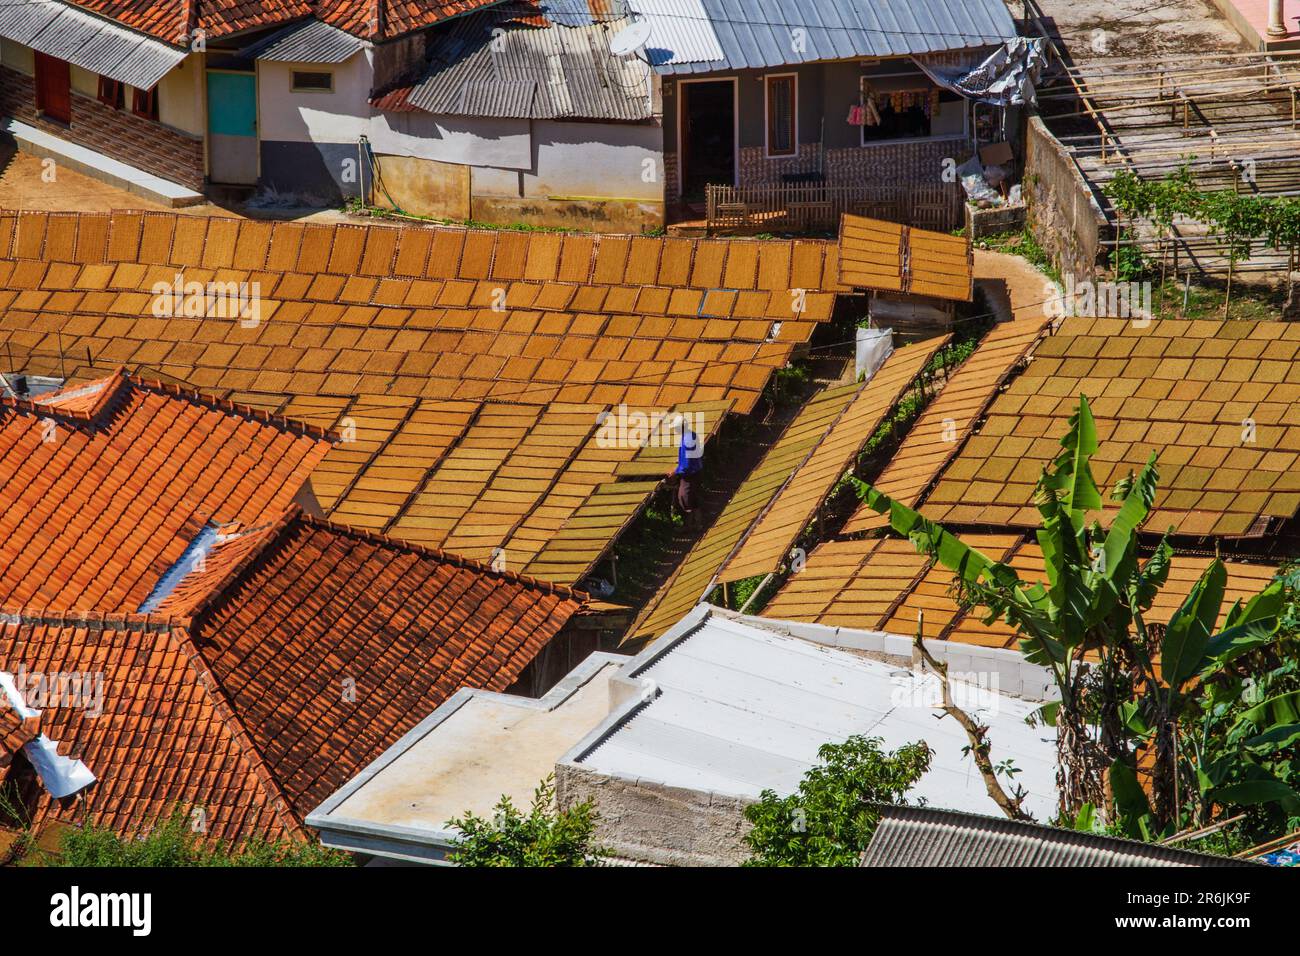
872 113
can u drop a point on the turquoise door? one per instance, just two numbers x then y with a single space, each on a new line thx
232 127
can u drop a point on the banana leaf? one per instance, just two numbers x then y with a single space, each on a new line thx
1188 634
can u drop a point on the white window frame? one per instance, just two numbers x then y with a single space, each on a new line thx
794 117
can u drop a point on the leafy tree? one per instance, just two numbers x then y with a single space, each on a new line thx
830 819
173 842
547 836
1087 625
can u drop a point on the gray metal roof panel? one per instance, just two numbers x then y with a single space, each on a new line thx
90 42
486 65
308 41
759 34
924 836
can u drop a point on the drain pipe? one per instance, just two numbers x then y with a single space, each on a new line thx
361 168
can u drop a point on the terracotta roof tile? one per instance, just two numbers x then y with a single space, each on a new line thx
102 486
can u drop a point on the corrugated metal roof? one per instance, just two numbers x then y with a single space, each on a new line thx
923 836
680 32
88 41
741 708
490 64
308 41
756 34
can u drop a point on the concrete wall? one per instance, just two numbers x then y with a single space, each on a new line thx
646 821
426 187
600 176
1063 214
308 141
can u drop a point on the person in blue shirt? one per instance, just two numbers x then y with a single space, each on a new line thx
690 470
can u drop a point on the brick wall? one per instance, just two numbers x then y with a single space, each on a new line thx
904 163
125 137
917 162
757 167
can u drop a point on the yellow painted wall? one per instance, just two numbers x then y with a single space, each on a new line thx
424 187
180 99
17 57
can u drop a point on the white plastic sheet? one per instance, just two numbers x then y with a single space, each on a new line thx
61 776
873 347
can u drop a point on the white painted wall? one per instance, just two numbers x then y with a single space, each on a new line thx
342 116
589 160
468 141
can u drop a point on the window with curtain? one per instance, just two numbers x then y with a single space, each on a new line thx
111 93
781 118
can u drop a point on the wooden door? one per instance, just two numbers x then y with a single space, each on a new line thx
53 88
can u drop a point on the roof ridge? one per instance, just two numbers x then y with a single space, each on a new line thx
295 514
271 533
92 620
110 387
121 378
448 557
236 408
229 715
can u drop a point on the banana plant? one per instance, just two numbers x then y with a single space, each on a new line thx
1087 623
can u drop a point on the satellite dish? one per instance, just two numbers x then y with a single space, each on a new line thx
631 39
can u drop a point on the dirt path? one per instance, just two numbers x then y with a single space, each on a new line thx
23 186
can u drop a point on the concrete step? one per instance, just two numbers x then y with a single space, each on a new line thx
38 142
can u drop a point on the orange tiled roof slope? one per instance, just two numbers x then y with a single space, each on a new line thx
331 643
291 659
171 20
15 732
104 485
883 584
166 736
1216 400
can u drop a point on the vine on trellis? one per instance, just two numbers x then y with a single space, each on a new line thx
1237 221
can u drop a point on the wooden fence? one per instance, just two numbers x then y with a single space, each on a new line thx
817 207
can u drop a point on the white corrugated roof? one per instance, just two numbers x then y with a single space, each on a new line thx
738 709
680 32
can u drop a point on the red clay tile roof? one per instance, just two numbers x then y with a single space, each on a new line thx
172 20
293 658
332 643
104 485
15 732
166 737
